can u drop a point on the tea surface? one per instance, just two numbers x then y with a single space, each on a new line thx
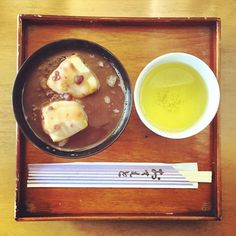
173 96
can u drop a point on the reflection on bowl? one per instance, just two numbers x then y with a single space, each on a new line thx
72 98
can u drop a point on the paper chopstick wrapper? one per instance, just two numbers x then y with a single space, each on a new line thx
116 175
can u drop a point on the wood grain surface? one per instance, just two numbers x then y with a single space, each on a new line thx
219 8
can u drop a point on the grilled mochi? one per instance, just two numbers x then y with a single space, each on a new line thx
62 119
74 77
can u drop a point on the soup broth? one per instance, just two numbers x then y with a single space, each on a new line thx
103 108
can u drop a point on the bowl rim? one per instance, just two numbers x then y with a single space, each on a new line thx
17 96
213 95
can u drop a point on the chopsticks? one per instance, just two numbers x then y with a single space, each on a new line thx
116 175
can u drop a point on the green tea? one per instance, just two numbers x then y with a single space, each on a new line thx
173 96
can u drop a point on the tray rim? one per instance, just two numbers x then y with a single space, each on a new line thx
20 139
112 19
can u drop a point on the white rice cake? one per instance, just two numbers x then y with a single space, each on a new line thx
62 119
66 78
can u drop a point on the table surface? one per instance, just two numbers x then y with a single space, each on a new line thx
225 9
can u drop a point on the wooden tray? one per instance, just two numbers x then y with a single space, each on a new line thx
135 41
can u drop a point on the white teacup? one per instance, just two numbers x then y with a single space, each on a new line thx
211 84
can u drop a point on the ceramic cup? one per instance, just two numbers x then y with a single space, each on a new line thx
212 87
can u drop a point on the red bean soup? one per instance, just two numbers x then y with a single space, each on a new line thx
104 108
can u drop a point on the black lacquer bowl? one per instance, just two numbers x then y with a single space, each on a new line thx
44 53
